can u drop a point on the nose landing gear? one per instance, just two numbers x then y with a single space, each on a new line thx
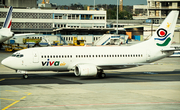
25 75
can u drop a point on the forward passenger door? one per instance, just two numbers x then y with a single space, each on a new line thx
35 57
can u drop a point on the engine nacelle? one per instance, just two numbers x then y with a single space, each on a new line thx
85 70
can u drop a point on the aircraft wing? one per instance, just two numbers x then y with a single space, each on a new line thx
15 35
121 66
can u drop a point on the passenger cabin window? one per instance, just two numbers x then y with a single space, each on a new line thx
101 56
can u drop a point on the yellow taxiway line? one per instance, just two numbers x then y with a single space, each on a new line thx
15 101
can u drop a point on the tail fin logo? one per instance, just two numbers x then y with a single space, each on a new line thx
162 33
9 24
168 25
8 20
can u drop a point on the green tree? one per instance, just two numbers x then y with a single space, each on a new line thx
124 15
111 14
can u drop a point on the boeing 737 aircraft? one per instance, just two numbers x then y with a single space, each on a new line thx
5 31
92 60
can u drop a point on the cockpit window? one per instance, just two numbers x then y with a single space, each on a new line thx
17 55
21 55
13 55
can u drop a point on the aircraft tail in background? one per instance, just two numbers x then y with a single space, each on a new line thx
5 31
8 20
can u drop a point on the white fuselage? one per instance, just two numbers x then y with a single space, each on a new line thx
65 58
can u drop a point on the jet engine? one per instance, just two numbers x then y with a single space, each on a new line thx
85 70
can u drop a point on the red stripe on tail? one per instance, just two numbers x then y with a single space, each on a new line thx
9 24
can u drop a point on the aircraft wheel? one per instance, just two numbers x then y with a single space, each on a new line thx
101 75
25 76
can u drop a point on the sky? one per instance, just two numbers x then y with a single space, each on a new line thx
91 2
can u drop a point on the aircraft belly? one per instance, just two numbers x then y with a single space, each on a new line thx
54 68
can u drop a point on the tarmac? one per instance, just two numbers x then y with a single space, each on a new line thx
149 87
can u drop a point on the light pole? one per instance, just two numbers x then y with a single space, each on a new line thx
117 18
94 4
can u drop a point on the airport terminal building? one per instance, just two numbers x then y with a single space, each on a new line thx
48 21
90 24
156 10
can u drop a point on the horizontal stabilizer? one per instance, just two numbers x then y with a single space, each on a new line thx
170 49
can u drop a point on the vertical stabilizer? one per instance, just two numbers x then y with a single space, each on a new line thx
164 34
8 20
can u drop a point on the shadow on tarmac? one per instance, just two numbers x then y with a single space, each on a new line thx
70 78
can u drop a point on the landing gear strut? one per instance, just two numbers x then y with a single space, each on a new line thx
101 74
0 46
25 75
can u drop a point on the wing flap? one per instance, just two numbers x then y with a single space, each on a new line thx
122 66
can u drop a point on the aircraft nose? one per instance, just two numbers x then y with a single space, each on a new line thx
7 62
4 62
11 63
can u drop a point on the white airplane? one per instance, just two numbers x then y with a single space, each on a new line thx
5 31
92 60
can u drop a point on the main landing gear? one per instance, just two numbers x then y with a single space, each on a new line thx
101 74
25 76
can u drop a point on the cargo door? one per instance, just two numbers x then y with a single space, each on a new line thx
35 57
